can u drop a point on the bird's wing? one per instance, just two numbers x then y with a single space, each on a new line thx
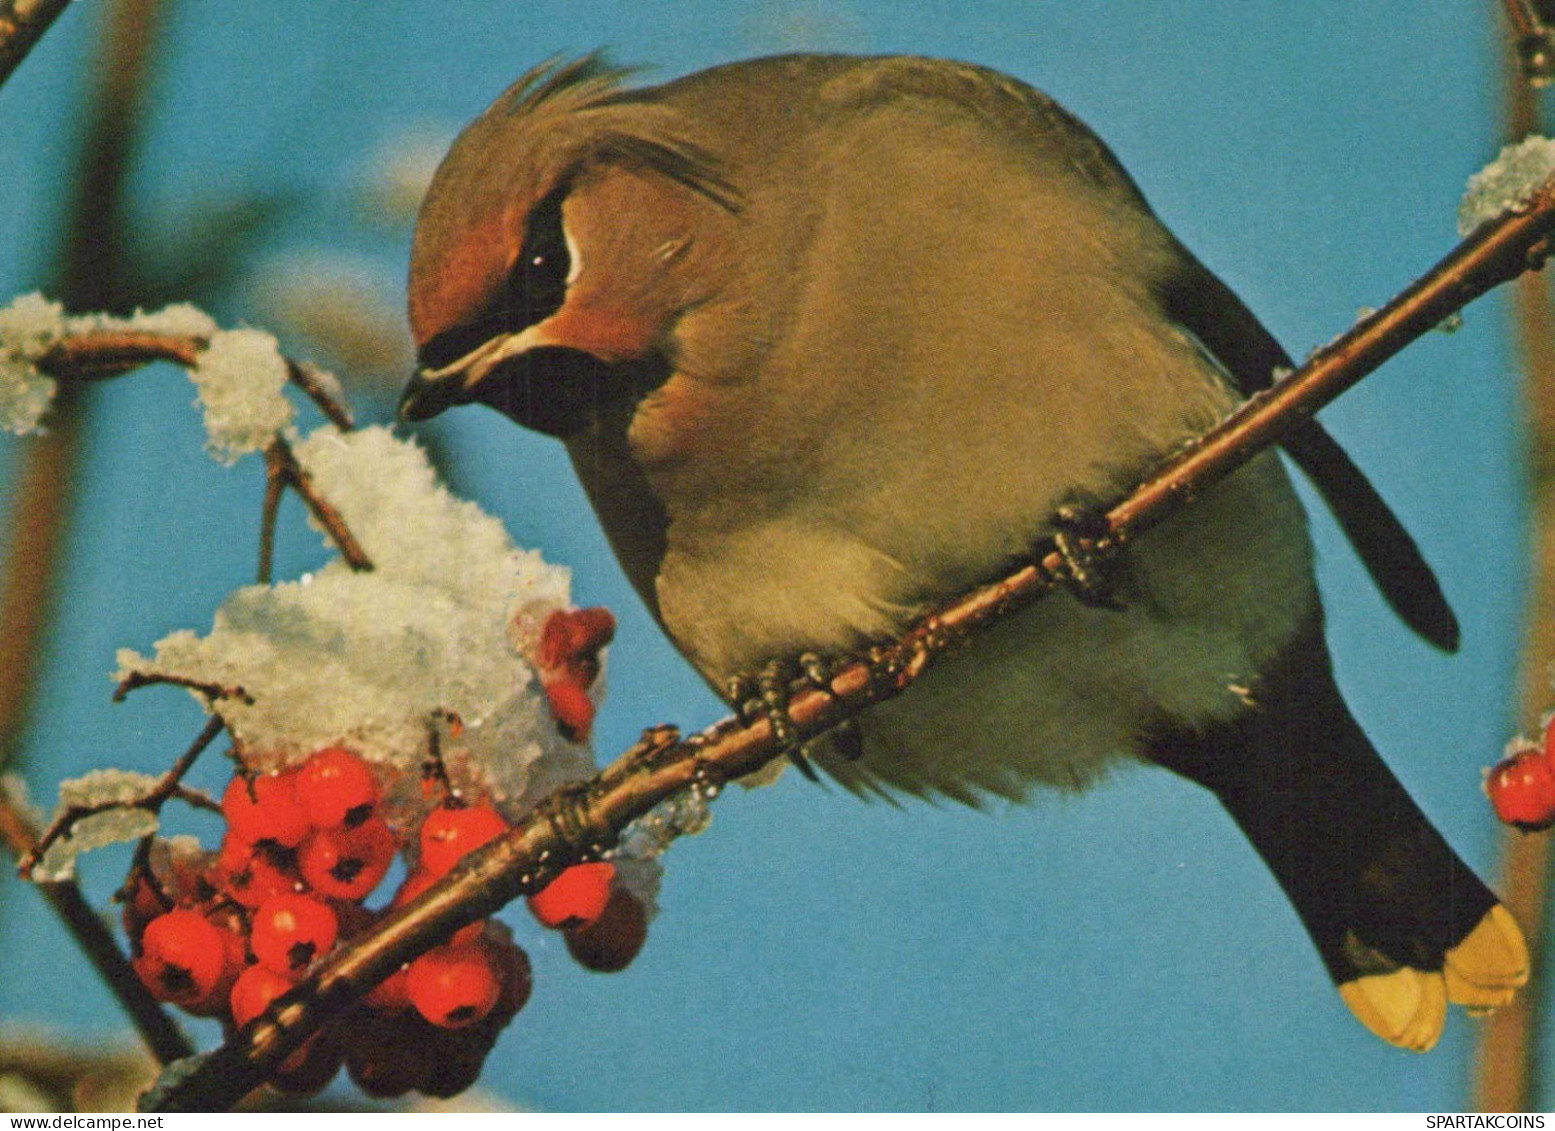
1234 338
1200 303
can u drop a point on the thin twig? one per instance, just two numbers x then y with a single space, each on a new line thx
586 820
212 691
168 786
196 798
160 1032
279 455
112 353
99 355
22 24
306 377
269 512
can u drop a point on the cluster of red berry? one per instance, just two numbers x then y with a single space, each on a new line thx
1521 786
223 935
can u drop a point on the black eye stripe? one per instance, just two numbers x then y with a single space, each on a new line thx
537 284
533 291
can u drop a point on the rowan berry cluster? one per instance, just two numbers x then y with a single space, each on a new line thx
1521 786
224 934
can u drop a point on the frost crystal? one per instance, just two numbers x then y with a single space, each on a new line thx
105 787
25 395
240 377
368 658
28 327
180 318
1508 183
112 826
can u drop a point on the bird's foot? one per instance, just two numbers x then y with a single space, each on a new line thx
1085 543
767 695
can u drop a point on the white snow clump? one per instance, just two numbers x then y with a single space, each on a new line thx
28 327
369 658
1508 183
239 378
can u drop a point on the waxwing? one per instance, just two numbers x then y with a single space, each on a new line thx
831 340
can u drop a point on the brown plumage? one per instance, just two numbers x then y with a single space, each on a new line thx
830 340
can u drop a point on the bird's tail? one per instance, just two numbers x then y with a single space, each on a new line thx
1400 921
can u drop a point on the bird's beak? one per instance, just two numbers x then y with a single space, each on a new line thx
429 392
533 380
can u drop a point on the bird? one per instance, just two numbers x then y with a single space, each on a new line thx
831 340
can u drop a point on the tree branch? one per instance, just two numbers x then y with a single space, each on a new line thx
104 354
586 820
160 1032
22 24
168 786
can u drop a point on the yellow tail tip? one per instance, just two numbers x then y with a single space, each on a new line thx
1488 967
1407 1007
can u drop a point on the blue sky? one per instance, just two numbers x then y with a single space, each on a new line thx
1119 950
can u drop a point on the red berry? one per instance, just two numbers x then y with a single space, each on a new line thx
457 1057
513 972
336 788
266 808
313 1065
252 873
453 986
289 931
1522 789
572 640
347 863
353 918
610 942
392 994
182 956
144 903
418 882
575 898
449 832
234 937
253 992
573 708
389 1057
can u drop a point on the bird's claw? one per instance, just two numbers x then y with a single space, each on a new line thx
767 694
1084 541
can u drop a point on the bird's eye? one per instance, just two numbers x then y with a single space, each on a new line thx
533 291
538 283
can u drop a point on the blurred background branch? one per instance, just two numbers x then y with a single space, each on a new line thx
1507 1064
22 24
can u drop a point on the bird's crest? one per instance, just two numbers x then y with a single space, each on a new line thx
592 86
